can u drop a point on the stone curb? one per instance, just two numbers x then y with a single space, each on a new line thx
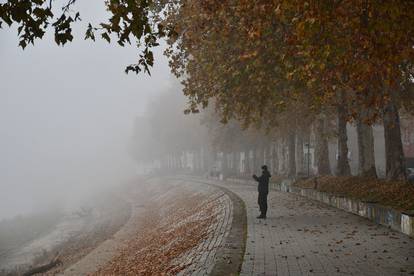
229 258
399 221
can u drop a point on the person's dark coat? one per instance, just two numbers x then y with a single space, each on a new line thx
263 180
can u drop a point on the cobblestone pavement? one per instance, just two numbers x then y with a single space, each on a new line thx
305 237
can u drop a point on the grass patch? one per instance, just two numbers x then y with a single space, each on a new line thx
396 194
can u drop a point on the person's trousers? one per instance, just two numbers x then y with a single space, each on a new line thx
262 201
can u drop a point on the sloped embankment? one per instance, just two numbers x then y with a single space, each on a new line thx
176 227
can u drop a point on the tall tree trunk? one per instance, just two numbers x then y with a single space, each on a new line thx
236 163
269 155
202 165
225 164
291 154
168 161
366 151
195 164
254 165
199 161
174 161
261 157
206 165
185 160
299 154
165 163
208 157
247 162
394 155
283 161
231 163
343 167
308 160
321 148
275 158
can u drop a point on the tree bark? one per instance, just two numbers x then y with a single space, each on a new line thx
200 160
343 167
247 162
254 165
394 155
321 148
275 158
261 157
225 163
282 160
299 154
237 163
291 154
366 151
195 164
206 154
308 161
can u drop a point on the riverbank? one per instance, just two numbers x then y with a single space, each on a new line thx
70 235
176 227
160 226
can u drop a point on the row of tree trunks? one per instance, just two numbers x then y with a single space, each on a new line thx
292 163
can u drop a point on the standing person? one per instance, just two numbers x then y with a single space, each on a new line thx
263 189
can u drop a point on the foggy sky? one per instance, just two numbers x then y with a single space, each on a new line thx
66 115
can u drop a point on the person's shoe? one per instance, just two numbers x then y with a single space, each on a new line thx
261 217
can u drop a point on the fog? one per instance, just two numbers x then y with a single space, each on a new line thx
66 116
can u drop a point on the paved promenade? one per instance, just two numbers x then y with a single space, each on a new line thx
304 237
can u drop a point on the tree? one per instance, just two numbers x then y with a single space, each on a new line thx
255 58
130 22
237 49
165 133
343 168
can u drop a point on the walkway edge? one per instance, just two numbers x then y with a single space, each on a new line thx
230 256
402 222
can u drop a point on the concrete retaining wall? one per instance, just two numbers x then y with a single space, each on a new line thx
399 221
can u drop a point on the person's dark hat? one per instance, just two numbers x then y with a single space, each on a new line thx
264 167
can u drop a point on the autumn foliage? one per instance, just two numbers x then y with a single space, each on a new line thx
266 62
